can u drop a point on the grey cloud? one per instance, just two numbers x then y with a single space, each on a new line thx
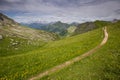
8 5
96 2
4 3
66 10
24 5
11 2
117 11
76 3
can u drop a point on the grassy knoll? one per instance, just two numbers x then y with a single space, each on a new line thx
22 66
102 65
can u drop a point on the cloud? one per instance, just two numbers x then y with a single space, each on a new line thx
64 10
117 11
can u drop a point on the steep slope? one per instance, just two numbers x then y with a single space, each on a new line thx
102 65
10 27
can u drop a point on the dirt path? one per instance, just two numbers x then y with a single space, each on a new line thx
67 63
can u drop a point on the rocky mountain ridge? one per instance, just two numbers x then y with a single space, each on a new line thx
8 27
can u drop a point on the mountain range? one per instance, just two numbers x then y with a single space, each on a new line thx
58 27
65 29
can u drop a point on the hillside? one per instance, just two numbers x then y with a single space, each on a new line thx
89 26
102 65
26 65
10 27
16 39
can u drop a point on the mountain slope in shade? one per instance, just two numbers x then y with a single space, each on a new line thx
89 26
58 27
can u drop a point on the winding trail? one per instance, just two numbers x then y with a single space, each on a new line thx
67 63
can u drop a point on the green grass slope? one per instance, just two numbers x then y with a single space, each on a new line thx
15 45
71 30
23 66
102 65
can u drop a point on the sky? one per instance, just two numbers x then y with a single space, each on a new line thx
60 10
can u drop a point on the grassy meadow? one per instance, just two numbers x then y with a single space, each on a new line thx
26 64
